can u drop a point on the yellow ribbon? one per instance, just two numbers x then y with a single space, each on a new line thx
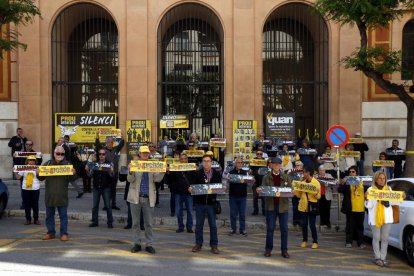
380 214
29 181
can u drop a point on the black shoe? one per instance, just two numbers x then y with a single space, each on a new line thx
128 227
231 233
285 254
93 224
179 230
243 234
190 231
136 248
80 195
255 213
150 249
110 226
115 208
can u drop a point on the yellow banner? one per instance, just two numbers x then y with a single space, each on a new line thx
174 121
82 127
109 132
349 153
394 196
172 160
383 163
55 170
138 131
218 142
181 167
194 153
244 135
258 163
305 187
356 140
148 166
24 168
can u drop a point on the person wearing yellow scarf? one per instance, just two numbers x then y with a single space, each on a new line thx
380 218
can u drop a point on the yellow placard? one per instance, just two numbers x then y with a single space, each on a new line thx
148 166
305 187
82 127
55 170
194 153
174 121
138 131
349 153
394 196
383 163
170 160
109 132
356 140
181 167
218 142
258 163
244 135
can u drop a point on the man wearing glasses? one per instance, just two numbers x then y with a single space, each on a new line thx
56 196
102 174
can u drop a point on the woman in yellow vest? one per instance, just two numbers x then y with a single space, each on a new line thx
308 208
380 218
30 192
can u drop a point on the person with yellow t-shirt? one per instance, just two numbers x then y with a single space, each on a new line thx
354 209
380 219
307 198
30 191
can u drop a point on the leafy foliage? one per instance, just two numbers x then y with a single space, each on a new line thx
18 12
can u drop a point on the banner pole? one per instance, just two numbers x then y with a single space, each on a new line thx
339 197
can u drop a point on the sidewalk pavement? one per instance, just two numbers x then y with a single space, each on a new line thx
81 209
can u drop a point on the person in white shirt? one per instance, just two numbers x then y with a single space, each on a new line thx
30 192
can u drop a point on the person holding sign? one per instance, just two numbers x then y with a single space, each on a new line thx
380 218
56 195
101 173
345 162
112 155
204 204
238 199
30 191
326 198
276 207
258 180
354 209
395 153
384 169
308 207
142 196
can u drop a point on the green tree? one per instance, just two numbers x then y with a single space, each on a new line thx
375 62
17 12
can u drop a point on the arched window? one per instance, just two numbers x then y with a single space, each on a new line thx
190 67
84 60
407 70
295 68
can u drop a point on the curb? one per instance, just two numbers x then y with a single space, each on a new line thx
164 221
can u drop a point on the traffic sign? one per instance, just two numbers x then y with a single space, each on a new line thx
337 136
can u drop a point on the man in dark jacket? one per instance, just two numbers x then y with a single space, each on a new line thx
393 154
204 204
112 155
362 148
258 180
17 143
56 196
101 173
179 183
238 199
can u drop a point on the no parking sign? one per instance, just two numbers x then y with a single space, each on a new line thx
337 136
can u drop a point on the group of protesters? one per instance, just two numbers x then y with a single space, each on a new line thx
285 163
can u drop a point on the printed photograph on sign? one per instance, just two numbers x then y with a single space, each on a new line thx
243 138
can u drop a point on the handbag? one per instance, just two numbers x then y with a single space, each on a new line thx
217 207
396 213
313 207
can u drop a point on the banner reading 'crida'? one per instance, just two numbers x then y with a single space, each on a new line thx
82 127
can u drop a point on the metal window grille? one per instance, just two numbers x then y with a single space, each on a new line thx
295 68
190 70
84 60
407 70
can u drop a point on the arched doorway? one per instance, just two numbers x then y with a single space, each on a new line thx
84 60
295 69
190 69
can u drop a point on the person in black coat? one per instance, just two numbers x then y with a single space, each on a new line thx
204 204
397 158
17 143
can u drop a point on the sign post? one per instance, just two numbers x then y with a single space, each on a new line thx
337 137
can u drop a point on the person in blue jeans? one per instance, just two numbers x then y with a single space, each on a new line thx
276 207
204 204
56 196
180 181
238 199
102 174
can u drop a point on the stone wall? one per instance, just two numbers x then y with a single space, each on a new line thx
8 125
